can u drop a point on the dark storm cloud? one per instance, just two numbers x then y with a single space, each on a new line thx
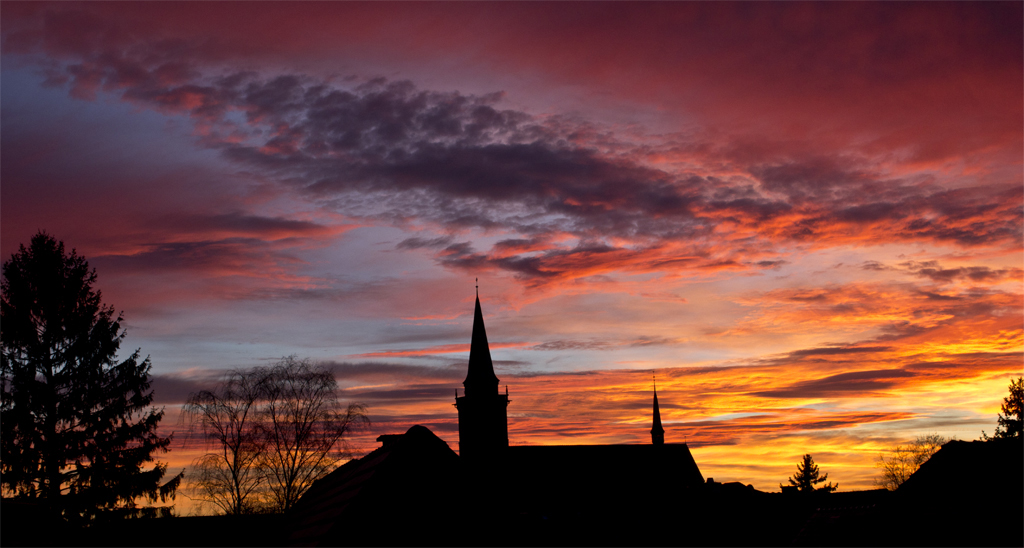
838 350
231 255
573 345
415 382
941 367
811 180
874 265
560 345
175 389
377 372
979 274
829 355
770 265
407 394
835 385
256 225
265 251
939 297
418 243
390 152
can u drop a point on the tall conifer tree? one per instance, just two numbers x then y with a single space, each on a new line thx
807 476
77 425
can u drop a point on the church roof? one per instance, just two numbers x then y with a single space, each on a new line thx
413 491
411 472
481 369
619 467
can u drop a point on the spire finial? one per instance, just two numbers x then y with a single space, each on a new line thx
477 287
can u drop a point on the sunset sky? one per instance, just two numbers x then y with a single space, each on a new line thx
805 219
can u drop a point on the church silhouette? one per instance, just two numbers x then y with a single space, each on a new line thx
417 480
415 490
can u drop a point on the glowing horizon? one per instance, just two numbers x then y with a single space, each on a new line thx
804 218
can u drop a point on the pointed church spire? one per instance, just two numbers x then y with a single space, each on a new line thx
657 432
481 378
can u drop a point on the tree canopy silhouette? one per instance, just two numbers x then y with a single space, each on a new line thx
1012 424
807 476
77 427
278 429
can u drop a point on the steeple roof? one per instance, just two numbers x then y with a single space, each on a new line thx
657 415
657 432
481 375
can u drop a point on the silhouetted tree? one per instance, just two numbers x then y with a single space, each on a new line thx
277 430
807 476
903 460
304 427
1012 424
77 425
229 477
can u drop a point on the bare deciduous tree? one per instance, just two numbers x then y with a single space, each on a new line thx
903 460
304 427
229 417
278 429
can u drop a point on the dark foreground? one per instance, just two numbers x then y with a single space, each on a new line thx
968 494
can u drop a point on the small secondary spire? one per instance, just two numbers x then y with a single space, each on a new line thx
657 432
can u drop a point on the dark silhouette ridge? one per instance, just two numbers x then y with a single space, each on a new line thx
494 494
412 492
24 525
967 493
415 490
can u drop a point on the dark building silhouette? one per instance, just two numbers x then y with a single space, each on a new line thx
483 419
415 490
409 485
542 493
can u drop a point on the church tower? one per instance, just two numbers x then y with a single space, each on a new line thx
657 432
483 419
